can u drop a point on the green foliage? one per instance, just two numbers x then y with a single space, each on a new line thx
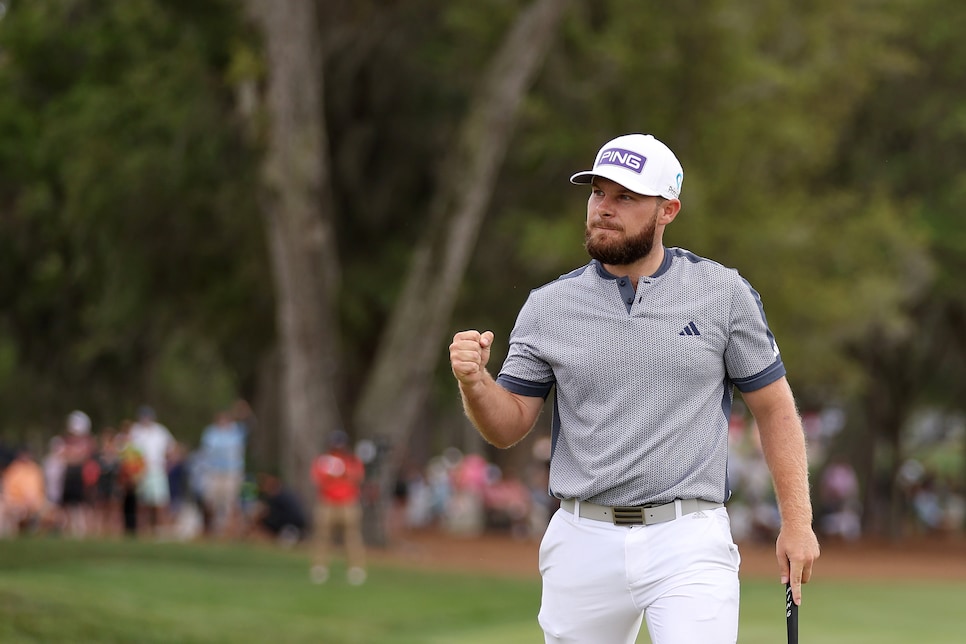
124 186
918 151
908 141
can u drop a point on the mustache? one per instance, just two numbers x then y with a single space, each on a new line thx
605 226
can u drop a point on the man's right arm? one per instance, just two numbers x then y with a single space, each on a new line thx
502 418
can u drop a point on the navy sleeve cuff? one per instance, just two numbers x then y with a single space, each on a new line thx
525 387
762 379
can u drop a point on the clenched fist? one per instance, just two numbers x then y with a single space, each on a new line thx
468 355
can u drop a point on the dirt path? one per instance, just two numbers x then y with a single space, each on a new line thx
502 555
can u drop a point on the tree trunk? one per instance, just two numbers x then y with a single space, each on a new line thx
296 202
399 384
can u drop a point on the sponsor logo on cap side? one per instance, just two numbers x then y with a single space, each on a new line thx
623 158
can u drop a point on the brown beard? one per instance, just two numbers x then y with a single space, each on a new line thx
621 252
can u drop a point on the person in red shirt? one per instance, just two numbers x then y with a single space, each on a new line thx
338 474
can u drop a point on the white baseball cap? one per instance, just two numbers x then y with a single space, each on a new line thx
640 163
78 423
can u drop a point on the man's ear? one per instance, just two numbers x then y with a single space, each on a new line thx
669 211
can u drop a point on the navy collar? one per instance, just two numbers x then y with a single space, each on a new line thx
661 270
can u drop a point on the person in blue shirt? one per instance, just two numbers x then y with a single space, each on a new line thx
223 454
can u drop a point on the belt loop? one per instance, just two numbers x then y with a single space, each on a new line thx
576 510
677 509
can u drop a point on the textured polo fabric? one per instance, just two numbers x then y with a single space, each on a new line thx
644 380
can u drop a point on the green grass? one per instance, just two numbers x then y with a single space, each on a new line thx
67 591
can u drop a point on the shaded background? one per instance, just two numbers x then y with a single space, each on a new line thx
297 203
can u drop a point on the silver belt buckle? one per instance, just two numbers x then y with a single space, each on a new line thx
629 514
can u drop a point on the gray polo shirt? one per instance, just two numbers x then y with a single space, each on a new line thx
643 379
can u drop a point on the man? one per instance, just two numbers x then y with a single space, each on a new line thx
338 475
223 455
155 444
278 514
643 346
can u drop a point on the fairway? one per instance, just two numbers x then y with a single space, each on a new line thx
121 591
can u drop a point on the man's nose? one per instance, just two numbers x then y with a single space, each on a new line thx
604 207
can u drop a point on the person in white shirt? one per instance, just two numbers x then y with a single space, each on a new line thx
154 442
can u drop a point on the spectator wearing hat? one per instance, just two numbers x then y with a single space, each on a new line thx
338 474
81 472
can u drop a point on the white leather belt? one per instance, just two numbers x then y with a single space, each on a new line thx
638 514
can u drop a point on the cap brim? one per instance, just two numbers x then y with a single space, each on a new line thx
582 178
614 174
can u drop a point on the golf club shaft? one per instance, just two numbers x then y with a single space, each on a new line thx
791 615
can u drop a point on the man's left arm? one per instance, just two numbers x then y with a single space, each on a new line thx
783 445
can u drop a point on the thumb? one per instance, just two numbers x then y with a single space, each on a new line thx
486 341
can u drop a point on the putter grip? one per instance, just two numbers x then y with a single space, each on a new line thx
791 615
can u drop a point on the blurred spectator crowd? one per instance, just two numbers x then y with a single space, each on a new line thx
921 500
466 495
137 480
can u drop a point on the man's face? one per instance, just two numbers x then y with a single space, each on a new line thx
621 224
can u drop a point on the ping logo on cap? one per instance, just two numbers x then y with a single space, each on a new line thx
623 158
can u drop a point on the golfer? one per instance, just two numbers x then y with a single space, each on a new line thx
643 347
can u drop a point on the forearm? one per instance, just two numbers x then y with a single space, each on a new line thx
783 445
789 470
501 418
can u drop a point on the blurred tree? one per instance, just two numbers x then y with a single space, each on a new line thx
397 388
298 209
396 393
131 260
908 143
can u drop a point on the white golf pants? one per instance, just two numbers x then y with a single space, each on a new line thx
600 580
